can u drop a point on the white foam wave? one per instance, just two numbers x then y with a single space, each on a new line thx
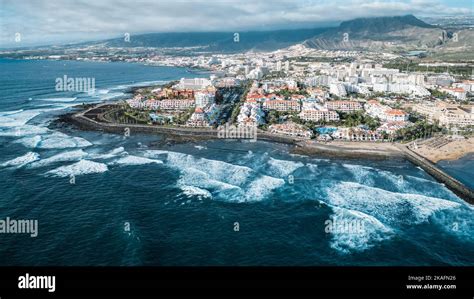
22 160
30 142
283 168
135 160
21 131
58 100
227 181
362 174
218 170
75 155
17 118
261 187
55 140
365 233
155 154
110 96
80 168
389 207
119 151
191 191
314 168
102 91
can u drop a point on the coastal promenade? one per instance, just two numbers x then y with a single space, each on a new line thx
91 119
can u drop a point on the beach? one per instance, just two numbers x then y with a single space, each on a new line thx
373 150
443 148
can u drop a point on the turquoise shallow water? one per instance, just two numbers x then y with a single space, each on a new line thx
211 203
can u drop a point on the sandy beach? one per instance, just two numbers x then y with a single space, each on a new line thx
443 148
346 149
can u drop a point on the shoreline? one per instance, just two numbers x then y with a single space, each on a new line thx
354 150
89 119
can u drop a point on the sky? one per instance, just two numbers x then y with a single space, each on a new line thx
42 22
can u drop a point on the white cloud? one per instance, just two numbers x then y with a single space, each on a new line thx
54 20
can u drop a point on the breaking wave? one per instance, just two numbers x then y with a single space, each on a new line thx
283 168
223 180
55 140
62 100
369 232
22 160
191 191
135 160
80 168
389 207
25 130
75 155
17 118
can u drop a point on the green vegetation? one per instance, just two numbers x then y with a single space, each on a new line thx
183 117
359 118
347 120
127 116
438 94
288 93
273 117
421 129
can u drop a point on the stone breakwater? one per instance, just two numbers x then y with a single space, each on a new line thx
454 185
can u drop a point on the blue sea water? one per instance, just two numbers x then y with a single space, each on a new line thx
462 169
218 202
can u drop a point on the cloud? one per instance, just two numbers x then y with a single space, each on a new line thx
42 21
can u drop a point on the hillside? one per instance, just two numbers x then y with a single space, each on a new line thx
381 33
220 41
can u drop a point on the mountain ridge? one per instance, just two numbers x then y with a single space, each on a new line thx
380 33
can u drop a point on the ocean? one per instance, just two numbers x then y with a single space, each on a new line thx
111 200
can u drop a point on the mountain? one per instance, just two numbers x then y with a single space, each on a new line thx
390 34
381 33
220 41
